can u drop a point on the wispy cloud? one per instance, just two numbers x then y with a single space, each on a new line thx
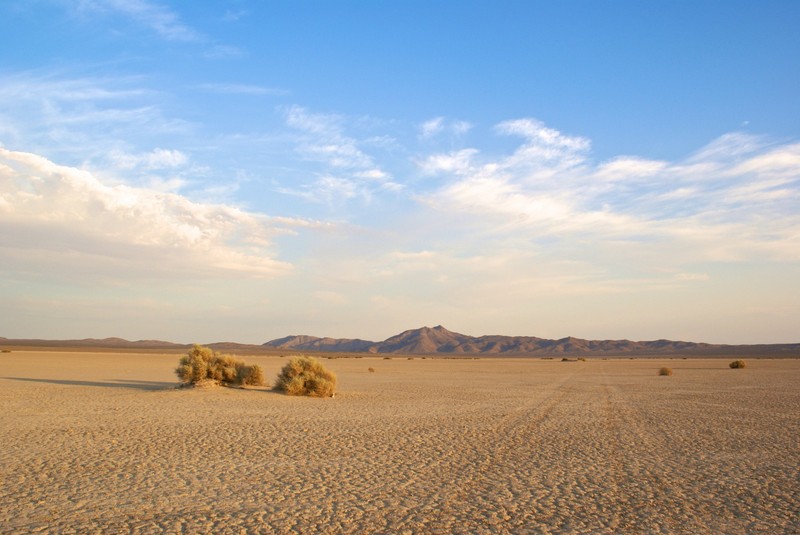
438 125
235 15
735 199
52 107
157 17
348 171
156 159
243 89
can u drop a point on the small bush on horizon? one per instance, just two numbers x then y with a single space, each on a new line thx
202 364
371 370
665 371
737 364
306 376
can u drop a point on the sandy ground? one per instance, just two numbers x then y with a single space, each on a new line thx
101 442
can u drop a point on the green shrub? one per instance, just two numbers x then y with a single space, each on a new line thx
306 376
202 364
737 364
665 371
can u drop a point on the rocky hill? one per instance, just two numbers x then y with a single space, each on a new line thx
433 340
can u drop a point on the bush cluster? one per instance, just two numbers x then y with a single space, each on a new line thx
203 364
737 364
306 376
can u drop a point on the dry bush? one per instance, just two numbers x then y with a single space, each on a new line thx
250 374
193 367
665 371
202 364
737 364
306 376
371 370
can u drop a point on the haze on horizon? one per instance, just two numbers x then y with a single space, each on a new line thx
242 170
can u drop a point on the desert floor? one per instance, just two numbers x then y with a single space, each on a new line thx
104 442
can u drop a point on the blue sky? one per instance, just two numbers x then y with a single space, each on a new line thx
242 170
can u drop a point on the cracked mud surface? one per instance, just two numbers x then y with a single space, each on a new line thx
96 442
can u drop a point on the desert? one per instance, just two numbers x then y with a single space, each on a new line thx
105 442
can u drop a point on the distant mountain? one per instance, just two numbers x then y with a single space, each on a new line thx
122 344
112 343
438 340
433 340
313 343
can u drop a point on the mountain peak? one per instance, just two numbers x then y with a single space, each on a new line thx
438 339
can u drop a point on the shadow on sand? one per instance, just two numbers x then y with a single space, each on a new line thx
111 383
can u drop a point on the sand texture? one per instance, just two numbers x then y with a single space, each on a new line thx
104 443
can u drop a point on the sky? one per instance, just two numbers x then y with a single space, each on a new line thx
243 170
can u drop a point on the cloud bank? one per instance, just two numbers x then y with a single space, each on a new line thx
63 216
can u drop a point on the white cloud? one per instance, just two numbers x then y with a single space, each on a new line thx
629 167
728 148
87 116
350 172
157 17
62 215
325 140
156 159
538 134
736 199
432 127
781 161
459 162
438 125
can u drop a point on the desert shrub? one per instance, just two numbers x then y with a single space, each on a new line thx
582 359
665 371
203 364
193 367
306 376
371 370
250 374
224 368
737 364
565 359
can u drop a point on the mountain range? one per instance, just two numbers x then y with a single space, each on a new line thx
438 340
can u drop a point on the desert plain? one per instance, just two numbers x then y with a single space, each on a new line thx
101 442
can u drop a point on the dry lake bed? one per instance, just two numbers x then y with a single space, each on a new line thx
105 443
